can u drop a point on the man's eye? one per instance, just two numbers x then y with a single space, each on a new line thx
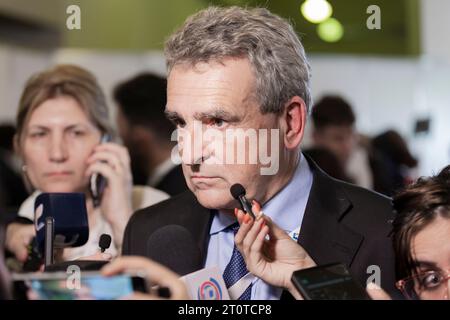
216 122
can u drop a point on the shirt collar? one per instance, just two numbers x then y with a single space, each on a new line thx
286 208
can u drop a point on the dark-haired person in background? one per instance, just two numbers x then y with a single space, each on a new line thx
399 160
328 162
146 132
334 130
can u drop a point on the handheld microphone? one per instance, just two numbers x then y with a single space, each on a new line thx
174 247
104 242
238 192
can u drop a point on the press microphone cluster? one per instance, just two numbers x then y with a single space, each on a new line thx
61 221
174 247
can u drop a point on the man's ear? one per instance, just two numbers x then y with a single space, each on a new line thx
294 118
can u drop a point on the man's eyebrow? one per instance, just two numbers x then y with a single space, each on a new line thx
217 113
172 115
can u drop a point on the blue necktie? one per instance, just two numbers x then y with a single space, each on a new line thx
236 268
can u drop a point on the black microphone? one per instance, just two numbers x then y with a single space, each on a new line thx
174 247
104 242
238 192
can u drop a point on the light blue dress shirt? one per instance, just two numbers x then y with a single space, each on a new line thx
286 209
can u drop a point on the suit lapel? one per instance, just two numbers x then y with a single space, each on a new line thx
322 234
198 222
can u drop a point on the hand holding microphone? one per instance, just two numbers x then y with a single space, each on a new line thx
269 252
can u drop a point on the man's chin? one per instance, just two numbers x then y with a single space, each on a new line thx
214 199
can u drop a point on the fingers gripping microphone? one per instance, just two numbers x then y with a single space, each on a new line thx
238 192
174 247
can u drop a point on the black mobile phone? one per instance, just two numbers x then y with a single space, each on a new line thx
97 183
90 286
328 282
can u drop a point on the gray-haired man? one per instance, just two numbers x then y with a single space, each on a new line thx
243 73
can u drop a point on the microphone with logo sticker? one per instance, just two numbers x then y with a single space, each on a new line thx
206 284
60 221
69 212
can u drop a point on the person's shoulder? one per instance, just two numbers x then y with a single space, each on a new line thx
368 209
164 207
145 196
366 197
26 209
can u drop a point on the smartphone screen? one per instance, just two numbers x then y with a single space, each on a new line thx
91 287
328 282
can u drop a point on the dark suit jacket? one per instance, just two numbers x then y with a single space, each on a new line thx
173 182
342 223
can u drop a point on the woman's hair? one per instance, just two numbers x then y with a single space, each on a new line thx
416 207
64 80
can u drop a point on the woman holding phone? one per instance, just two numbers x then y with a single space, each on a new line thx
61 122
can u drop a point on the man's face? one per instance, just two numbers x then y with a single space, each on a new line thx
340 140
218 96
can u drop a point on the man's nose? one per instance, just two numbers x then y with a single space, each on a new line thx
193 148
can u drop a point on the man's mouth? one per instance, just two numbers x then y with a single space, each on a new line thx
203 177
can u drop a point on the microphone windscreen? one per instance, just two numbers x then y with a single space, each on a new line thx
105 241
237 190
174 247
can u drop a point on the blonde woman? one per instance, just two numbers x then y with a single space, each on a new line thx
61 120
